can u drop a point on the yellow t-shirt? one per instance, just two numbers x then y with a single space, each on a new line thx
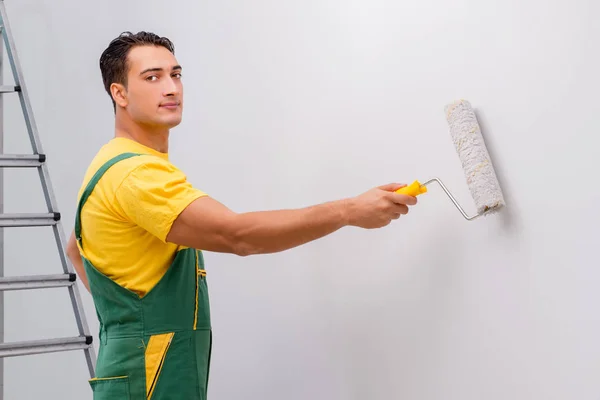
126 219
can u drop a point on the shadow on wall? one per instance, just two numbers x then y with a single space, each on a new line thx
507 215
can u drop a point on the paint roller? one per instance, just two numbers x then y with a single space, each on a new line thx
475 159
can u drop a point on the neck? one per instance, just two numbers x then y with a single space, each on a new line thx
156 138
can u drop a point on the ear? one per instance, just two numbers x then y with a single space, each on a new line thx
119 94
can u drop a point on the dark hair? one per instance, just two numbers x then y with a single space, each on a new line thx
113 61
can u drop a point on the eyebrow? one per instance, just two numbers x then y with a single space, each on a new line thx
176 67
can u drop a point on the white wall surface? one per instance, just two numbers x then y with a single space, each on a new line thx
291 103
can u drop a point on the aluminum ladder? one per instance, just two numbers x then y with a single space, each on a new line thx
51 218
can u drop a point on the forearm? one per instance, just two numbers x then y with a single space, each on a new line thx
263 232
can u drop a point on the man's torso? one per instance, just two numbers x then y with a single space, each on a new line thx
129 213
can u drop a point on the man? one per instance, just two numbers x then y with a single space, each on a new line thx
140 228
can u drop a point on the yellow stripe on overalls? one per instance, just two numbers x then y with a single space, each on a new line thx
155 354
199 272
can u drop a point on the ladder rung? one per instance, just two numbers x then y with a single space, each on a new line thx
21 220
44 346
9 89
36 281
18 160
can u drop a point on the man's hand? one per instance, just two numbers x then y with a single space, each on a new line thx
379 206
209 225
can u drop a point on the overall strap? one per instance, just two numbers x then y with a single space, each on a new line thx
90 187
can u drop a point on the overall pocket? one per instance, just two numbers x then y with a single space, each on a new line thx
113 388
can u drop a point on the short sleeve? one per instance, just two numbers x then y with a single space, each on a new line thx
154 194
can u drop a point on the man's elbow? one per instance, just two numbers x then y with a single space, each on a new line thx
239 245
239 238
245 250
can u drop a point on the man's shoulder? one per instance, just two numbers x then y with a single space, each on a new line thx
115 164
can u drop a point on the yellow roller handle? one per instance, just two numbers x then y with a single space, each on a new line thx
414 189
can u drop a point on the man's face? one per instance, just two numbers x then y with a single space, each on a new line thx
154 94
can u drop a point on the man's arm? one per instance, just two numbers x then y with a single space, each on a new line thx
75 257
209 225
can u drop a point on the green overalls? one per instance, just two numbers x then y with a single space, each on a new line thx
154 347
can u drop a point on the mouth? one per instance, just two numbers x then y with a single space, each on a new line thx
170 105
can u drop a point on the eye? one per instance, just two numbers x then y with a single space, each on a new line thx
150 78
177 75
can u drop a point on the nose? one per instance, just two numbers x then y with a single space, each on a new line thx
172 87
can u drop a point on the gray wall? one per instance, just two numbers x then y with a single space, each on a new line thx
293 103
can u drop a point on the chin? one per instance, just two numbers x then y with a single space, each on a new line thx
172 122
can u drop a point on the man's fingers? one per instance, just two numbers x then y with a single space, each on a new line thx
390 187
399 198
400 209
